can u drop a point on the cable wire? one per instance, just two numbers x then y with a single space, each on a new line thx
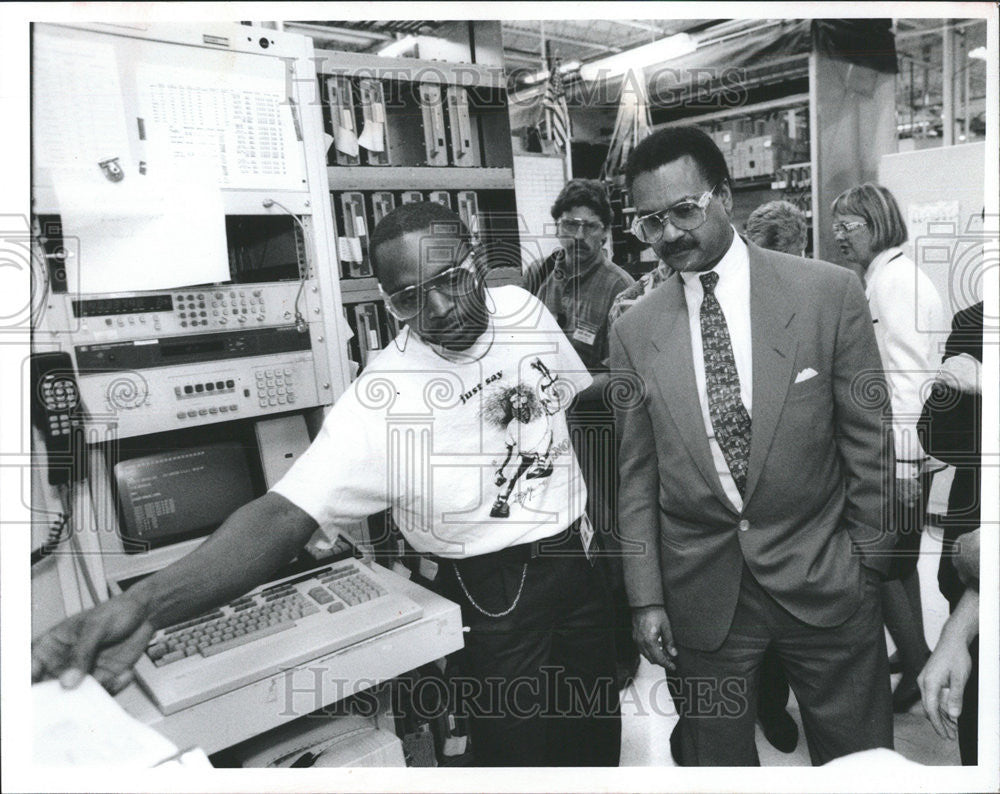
300 321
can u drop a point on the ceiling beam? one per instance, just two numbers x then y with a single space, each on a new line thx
634 23
563 39
333 33
735 112
521 55
917 32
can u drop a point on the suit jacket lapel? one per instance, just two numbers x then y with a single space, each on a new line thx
774 346
674 373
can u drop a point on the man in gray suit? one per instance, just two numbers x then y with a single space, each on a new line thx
751 469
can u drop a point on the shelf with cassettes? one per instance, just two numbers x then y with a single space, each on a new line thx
402 130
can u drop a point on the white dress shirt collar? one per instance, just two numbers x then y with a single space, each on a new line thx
732 265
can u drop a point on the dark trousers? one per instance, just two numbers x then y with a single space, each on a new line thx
840 677
773 695
591 427
908 523
541 689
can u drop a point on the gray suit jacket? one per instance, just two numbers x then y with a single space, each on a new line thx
820 454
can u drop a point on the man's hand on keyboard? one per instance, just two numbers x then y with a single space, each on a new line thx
105 641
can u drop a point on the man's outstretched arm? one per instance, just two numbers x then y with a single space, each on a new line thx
107 640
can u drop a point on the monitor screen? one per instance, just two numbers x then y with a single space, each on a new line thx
174 495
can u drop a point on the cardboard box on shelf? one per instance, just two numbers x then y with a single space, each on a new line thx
739 160
730 163
768 156
755 148
759 157
753 153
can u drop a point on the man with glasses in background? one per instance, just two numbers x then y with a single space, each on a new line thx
538 650
577 283
750 469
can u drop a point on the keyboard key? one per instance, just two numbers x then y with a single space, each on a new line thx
321 595
336 606
173 656
275 628
193 622
157 651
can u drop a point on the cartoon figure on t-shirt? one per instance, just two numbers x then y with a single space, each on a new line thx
527 418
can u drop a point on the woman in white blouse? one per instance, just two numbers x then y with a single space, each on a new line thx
908 316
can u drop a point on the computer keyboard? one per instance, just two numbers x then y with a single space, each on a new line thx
271 629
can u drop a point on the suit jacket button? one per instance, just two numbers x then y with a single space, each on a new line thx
744 525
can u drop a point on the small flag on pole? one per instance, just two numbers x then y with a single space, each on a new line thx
556 112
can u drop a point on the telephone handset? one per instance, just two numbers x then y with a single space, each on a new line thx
57 412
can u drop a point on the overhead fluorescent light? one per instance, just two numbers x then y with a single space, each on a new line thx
535 77
979 53
638 58
398 47
540 77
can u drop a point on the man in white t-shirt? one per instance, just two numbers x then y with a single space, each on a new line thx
417 432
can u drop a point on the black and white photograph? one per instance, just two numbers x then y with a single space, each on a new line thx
500 396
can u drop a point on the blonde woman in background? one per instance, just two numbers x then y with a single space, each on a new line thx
906 311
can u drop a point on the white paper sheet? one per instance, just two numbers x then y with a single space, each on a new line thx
78 116
238 128
346 140
349 249
919 215
157 231
372 136
86 727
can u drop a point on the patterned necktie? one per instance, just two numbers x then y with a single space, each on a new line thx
730 419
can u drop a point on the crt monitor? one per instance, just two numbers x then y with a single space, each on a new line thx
174 495
172 489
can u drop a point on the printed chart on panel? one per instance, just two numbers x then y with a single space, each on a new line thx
244 132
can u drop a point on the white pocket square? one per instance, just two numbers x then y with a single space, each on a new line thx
805 374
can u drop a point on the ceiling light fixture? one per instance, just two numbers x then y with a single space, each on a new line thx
638 58
396 48
540 77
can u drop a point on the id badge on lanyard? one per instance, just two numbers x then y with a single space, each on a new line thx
585 333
